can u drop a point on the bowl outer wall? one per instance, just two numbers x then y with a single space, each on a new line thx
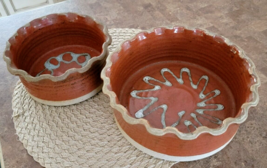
76 84
172 145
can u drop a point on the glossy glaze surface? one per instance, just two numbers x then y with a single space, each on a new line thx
244 22
173 100
170 144
214 67
185 83
59 57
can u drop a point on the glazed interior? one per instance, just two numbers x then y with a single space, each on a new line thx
51 36
175 49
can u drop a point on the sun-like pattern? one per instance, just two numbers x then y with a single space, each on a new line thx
201 106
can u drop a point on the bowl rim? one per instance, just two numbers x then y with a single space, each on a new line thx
172 130
22 73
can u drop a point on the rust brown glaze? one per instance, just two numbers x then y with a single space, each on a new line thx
178 97
74 86
170 145
47 37
229 70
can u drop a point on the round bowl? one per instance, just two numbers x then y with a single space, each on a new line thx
180 94
59 57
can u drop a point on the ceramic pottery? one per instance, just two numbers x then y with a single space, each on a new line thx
180 94
59 57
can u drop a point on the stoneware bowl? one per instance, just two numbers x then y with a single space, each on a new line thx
59 57
180 94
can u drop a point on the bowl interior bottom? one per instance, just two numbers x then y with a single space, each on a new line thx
178 94
57 61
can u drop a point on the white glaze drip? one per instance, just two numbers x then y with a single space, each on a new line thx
195 118
188 123
199 112
180 114
51 67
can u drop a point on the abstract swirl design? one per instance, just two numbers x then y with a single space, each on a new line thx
201 106
50 67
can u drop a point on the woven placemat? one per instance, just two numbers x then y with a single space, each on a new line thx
82 135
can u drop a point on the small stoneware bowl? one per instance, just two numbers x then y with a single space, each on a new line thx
59 57
180 94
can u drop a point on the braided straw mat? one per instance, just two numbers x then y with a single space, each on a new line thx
81 135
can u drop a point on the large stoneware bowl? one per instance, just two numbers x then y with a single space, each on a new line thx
59 57
180 94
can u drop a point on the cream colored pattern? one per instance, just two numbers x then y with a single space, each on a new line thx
79 136
200 130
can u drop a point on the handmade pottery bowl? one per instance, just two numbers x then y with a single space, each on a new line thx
59 57
180 94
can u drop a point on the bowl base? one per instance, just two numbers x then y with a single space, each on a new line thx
68 102
169 157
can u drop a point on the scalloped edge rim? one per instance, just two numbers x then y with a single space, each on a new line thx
202 129
29 78
171 157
